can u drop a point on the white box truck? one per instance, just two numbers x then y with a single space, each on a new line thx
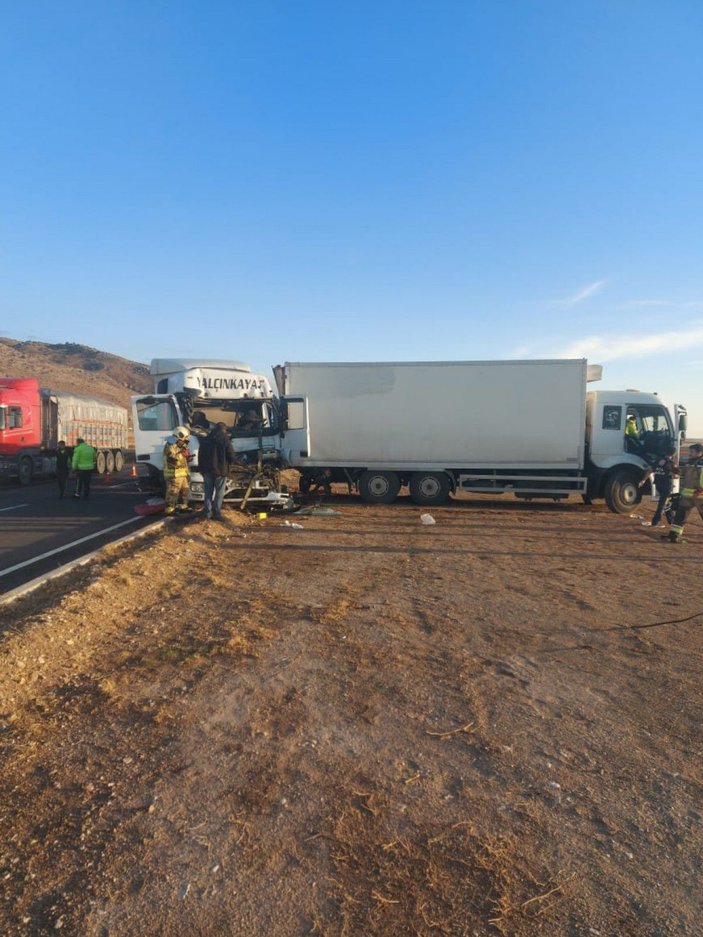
526 427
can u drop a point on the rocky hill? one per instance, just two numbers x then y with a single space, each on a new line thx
77 368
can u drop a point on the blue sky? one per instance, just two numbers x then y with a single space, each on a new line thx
270 181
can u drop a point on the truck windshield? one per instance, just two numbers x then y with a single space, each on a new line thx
654 427
652 419
241 417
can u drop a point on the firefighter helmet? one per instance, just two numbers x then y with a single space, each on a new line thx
181 432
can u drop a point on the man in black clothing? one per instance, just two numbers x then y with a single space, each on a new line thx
63 465
664 470
215 457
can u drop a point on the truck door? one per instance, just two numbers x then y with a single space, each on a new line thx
295 444
154 417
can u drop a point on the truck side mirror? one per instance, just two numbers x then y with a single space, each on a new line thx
683 423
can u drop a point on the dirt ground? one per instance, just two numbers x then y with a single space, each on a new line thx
365 727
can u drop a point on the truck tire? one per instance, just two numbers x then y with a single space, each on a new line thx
100 463
25 471
621 491
109 462
379 487
429 487
119 461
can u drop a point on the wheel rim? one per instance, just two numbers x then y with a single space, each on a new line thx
429 487
628 493
379 486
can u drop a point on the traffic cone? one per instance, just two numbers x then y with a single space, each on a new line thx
133 473
107 478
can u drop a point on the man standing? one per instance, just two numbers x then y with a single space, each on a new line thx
215 458
664 470
177 471
63 466
691 495
83 464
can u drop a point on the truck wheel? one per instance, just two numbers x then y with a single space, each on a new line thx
100 463
119 461
621 491
109 462
429 487
379 487
25 471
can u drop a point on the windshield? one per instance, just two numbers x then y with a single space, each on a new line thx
651 419
2 417
241 417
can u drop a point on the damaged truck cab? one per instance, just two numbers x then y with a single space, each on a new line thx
199 394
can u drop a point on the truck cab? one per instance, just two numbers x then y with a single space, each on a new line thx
199 394
617 460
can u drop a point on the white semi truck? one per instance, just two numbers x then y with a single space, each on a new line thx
527 427
199 393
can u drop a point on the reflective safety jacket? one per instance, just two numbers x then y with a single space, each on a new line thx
176 460
692 480
631 429
83 459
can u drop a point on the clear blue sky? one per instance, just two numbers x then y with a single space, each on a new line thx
367 180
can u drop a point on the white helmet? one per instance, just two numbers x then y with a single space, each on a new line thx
181 432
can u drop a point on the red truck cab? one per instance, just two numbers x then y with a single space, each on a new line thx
20 416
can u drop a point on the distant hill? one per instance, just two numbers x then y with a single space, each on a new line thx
76 368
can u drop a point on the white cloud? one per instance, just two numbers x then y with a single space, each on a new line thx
610 347
585 293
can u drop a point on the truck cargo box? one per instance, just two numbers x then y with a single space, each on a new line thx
457 414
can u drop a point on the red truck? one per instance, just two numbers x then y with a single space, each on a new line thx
33 420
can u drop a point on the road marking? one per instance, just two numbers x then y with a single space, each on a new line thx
68 546
14 507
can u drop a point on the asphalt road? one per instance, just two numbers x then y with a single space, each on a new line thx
40 532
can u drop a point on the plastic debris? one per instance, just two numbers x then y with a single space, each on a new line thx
427 520
636 517
292 526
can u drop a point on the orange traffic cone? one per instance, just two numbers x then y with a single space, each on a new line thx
133 473
107 478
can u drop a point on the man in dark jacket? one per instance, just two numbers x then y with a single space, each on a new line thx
215 457
63 465
664 470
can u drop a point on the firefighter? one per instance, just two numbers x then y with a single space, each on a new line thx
177 471
691 494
